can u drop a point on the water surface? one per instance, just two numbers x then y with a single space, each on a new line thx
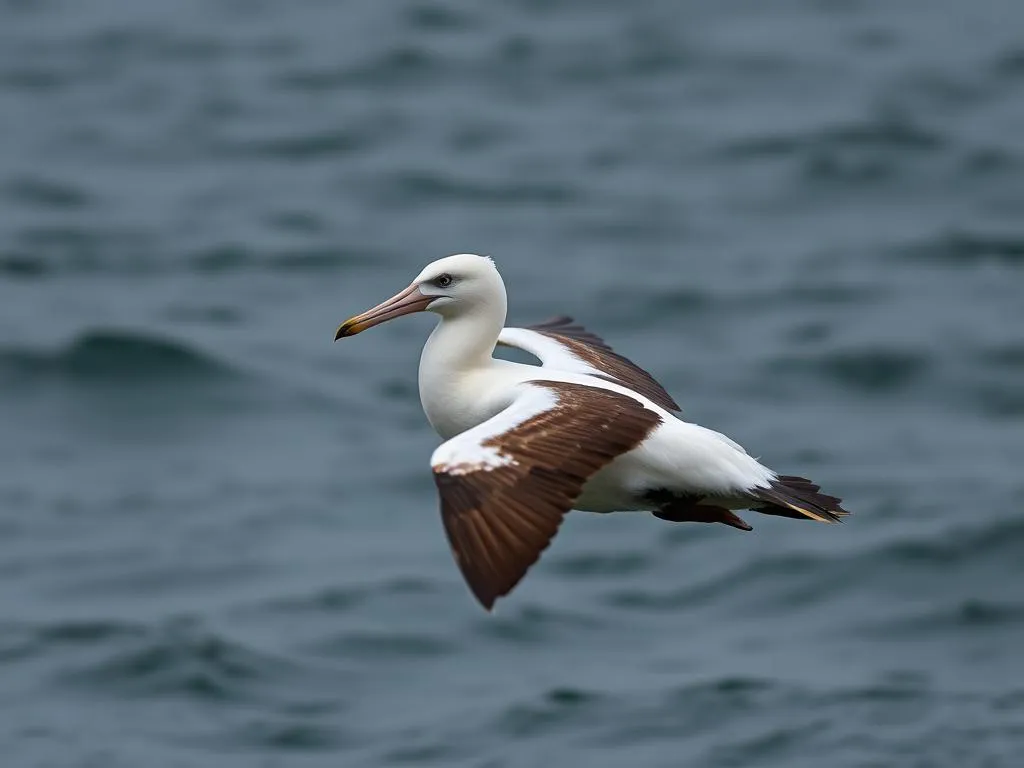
219 542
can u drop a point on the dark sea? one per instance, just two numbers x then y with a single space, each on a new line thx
219 537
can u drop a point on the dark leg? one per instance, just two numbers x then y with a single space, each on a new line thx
680 511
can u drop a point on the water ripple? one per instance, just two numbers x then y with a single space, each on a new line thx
965 247
558 709
112 356
800 581
887 132
202 666
47 194
972 615
420 187
869 370
23 641
535 625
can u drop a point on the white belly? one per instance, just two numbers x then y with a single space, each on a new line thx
678 457
617 487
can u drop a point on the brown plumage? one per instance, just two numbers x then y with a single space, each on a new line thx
500 518
594 350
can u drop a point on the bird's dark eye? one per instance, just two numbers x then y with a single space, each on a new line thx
444 280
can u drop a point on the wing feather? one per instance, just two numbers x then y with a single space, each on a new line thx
506 484
564 345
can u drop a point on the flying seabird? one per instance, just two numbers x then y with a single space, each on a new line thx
586 429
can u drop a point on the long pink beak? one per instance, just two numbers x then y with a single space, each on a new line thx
408 301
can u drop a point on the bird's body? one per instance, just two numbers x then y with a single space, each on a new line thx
677 456
586 429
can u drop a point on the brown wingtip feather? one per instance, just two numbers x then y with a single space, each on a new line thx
493 551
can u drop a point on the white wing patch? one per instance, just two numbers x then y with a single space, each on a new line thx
552 353
566 347
467 453
488 458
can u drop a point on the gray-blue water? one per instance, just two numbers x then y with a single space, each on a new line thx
219 537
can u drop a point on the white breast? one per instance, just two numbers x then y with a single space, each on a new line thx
455 402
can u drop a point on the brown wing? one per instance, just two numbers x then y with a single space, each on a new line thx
563 325
506 484
593 350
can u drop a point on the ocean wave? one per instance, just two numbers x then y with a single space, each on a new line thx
367 646
632 306
110 356
1009 64
403 65
691 709
535 625
866 152
990 161
325 144
968 248
557 709
997 399
23 266
868 369
62 63
174 658
66 250
972 615
236 257
589 564
433 16
768 721
1009 356
761 575
798 581
726 720
340 600
286 735
884 132
69 248
417 187
20 641
177 659
756 713
998 541
46 193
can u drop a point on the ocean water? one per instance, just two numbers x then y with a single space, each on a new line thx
219 537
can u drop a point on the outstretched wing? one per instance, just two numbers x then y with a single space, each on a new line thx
506 484
562 344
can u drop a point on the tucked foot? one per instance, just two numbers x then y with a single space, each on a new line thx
700 513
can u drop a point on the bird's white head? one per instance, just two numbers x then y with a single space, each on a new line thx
452 286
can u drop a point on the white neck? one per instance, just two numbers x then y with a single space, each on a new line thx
462 344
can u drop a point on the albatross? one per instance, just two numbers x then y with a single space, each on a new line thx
586 429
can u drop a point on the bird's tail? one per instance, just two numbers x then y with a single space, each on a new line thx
799 498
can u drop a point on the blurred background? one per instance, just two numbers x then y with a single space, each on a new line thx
219 538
